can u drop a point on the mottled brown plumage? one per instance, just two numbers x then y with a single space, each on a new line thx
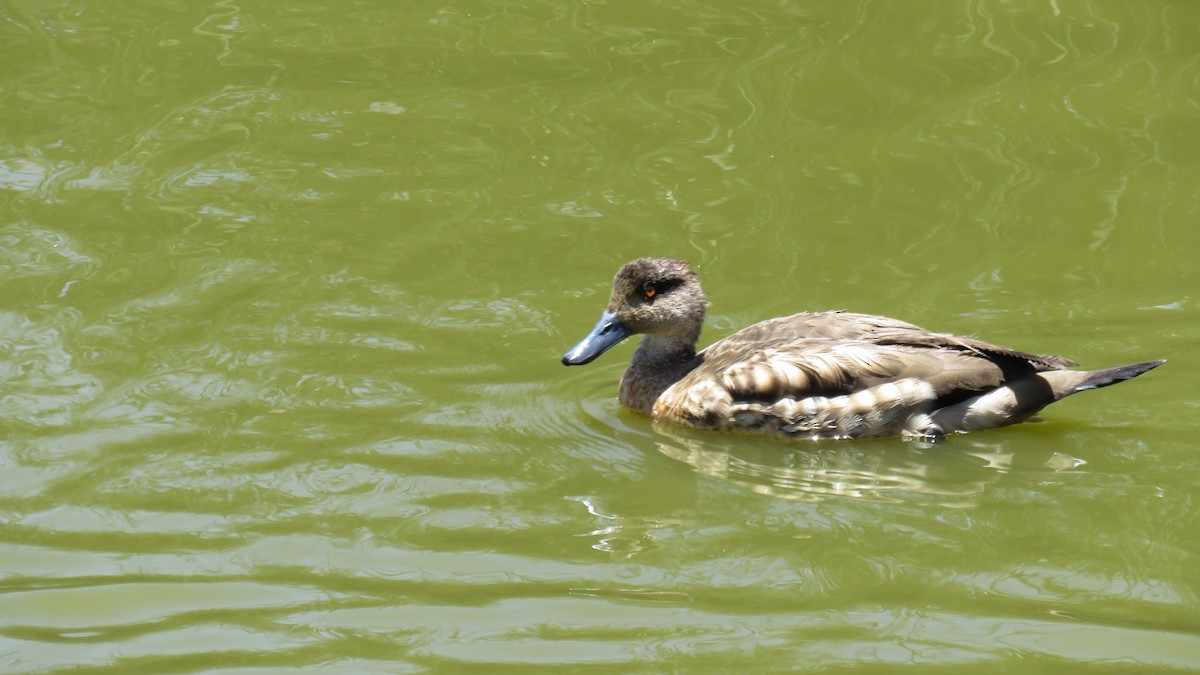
818 375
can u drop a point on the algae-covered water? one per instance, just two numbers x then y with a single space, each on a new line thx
284 288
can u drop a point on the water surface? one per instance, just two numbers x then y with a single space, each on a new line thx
283 290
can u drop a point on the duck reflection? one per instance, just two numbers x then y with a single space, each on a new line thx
882 470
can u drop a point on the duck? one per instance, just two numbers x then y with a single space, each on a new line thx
818 375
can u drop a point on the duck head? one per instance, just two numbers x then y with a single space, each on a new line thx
658 297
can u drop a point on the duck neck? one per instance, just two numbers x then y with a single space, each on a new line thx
658 363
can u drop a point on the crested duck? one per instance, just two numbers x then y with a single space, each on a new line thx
820 375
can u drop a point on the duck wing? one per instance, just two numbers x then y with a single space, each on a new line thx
847 326
853 362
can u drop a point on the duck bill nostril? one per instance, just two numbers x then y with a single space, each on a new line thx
607 332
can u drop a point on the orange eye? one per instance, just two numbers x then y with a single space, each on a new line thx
650 292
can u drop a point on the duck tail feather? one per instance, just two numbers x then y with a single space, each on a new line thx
1107 376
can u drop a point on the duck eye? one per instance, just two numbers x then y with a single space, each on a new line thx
650 292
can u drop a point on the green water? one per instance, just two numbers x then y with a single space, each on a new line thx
284 286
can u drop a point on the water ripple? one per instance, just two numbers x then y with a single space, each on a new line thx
286 287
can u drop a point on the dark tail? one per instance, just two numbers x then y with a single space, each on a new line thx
1103 378
1018 400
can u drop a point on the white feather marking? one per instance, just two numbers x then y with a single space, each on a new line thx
811 405
794 377
763 377
888 393
862 401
